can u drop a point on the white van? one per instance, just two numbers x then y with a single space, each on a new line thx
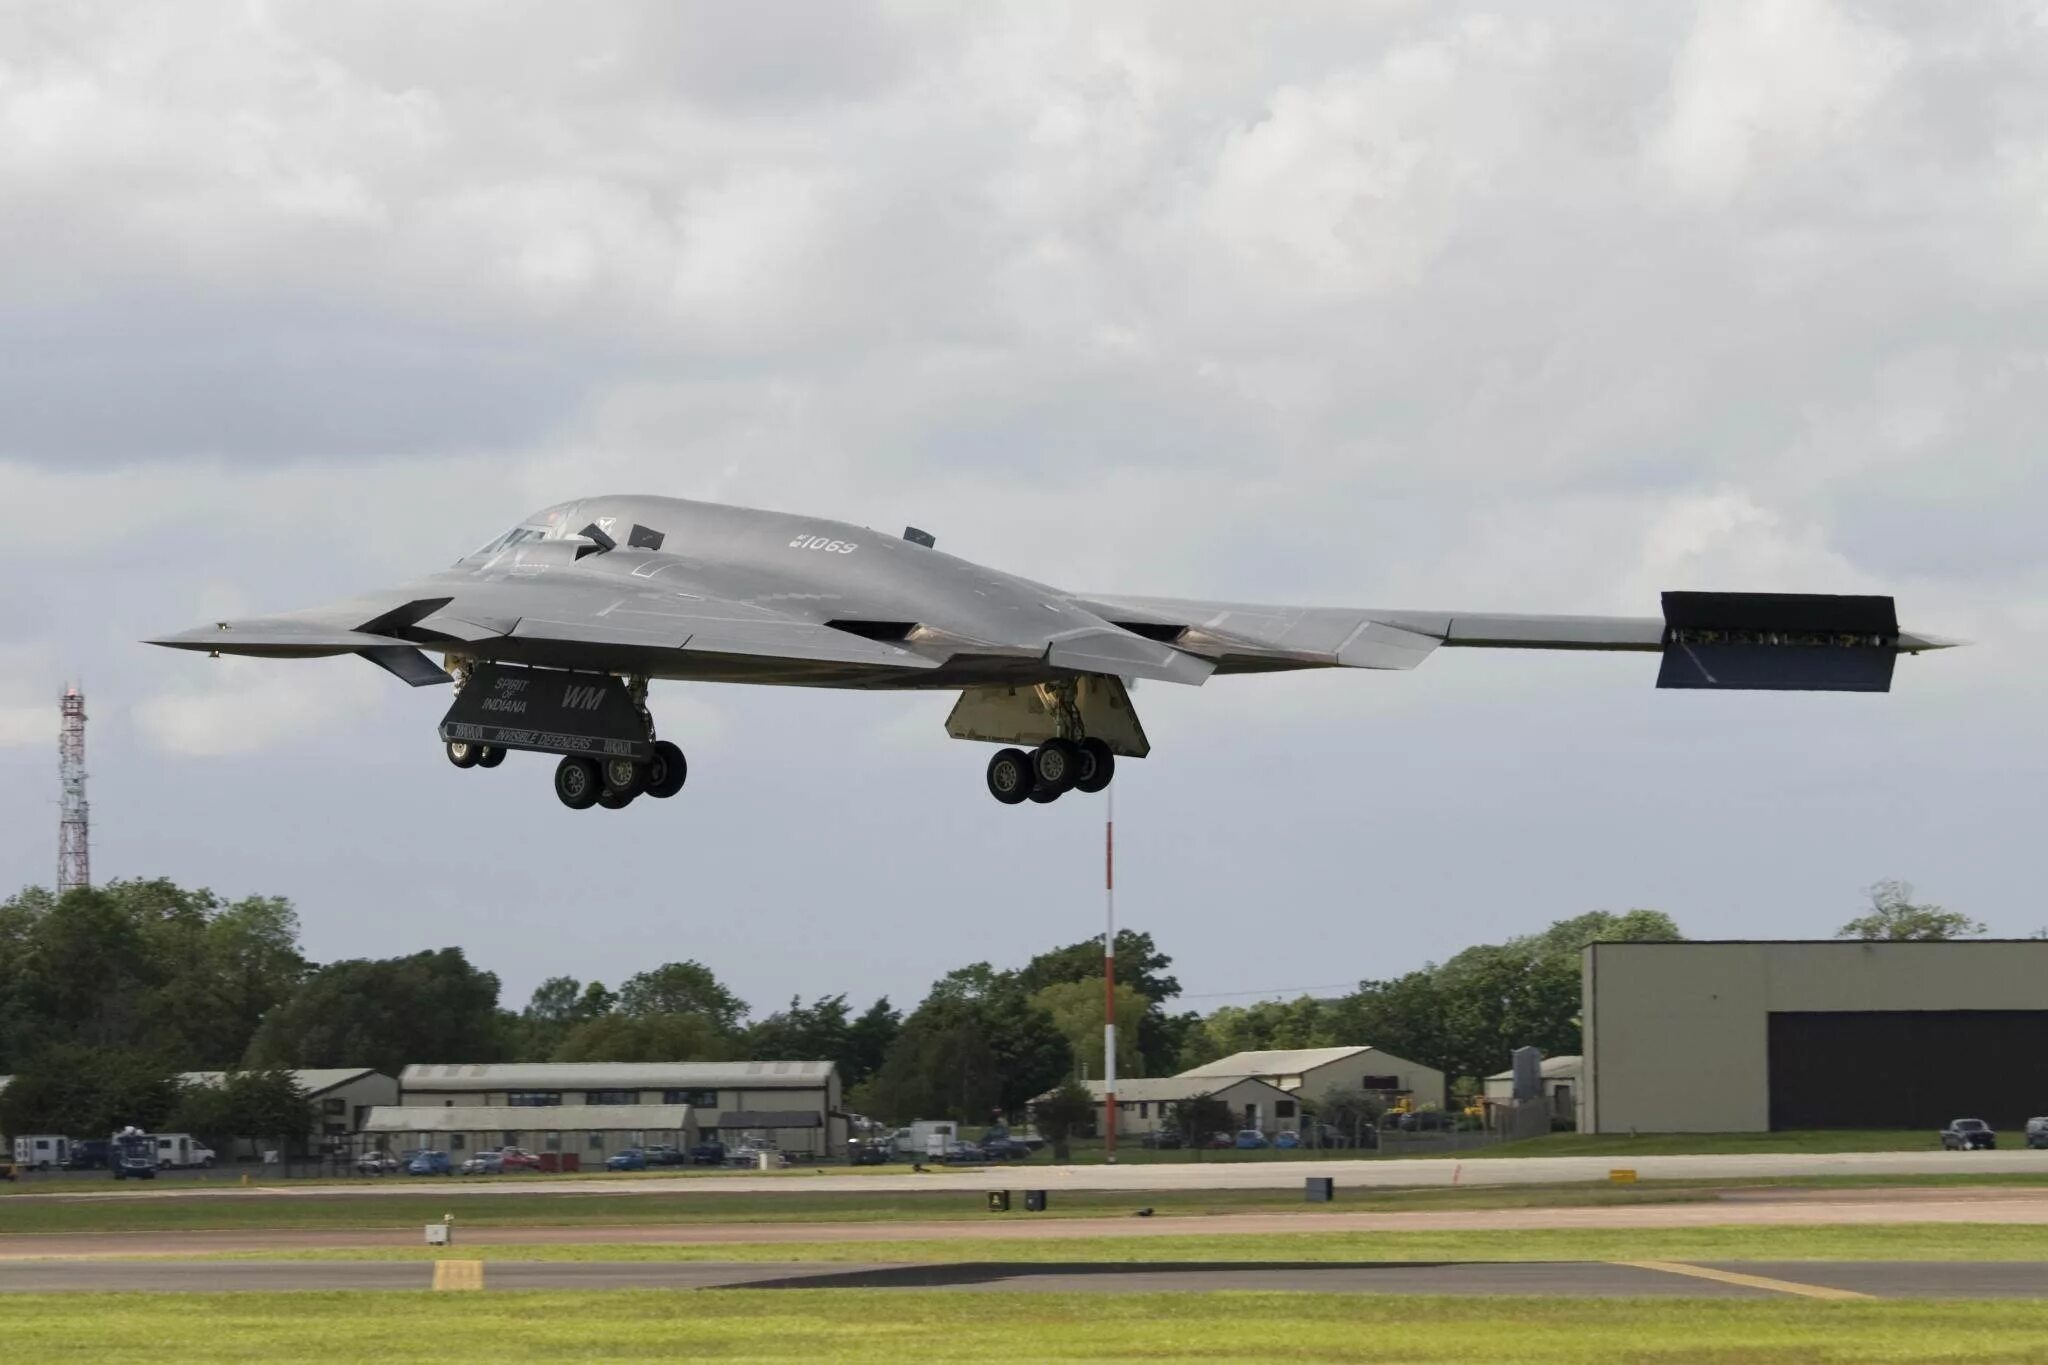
175 1151
41 1151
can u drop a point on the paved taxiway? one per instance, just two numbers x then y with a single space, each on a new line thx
1735 1208
1188 1175
1807 1279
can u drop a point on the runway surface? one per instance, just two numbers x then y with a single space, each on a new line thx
1749 1208
1192 1175
1806 1279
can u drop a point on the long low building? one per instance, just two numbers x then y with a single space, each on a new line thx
590 1132
1749 1037
1146 1105
795 1105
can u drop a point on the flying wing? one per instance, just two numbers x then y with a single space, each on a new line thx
537 621
1740 641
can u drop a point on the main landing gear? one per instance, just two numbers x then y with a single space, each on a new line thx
613 783
610 714
1048 772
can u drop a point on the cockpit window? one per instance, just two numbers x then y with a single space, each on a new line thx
515 536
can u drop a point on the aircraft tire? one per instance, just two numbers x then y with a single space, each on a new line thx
611 798
578 782
490 756
1055 764
1098 766
624 776
462 753
1009 776
668 772
1045 796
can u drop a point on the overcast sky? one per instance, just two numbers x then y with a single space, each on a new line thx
1406 304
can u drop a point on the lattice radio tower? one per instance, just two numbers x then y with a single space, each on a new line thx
74 832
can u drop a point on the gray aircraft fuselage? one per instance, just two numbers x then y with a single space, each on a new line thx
637 588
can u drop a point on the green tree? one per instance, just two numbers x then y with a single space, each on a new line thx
1350 1112
265 1106
1062 1114
1201 1117
85 1091
647 1038
941 1065
1895 916
1140 965
868 1040
1076 1009
385 1013
682 988
558 1005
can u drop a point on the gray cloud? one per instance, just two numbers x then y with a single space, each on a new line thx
1402 304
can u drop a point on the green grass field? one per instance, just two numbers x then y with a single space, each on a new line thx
893 1326
1820 1242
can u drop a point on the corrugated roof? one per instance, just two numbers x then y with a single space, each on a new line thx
554 1118
771 1118
1284 1062
1553 1068
312 1080
612 1075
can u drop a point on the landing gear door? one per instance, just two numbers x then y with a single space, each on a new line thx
1028 715
548 710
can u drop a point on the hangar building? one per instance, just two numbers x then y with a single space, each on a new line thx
1750 1037
1311 1073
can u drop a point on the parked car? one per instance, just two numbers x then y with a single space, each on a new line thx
964 1154
1220 1142
632 1159
710 1153
376 1163
1287 1142
2037 1132
88 1154
518 1159
1004 1149
664 1155
1965 1135
428 1162
484 1163
1250 1139
1165 1140
878 1151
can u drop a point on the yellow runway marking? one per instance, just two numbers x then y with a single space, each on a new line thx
458 1274
1810 1291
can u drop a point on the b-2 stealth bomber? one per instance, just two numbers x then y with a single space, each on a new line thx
552 631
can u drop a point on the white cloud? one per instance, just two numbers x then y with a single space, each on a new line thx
248 706
1397 304
1763 82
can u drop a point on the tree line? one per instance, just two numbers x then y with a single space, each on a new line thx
112 990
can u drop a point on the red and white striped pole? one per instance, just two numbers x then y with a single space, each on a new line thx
1109 980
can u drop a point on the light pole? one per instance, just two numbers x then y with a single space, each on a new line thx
1109 978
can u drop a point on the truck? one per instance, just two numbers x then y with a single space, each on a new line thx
928 1137
41 1151
132 1154
178 1151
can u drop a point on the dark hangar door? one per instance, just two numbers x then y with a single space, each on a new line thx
1908 1068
